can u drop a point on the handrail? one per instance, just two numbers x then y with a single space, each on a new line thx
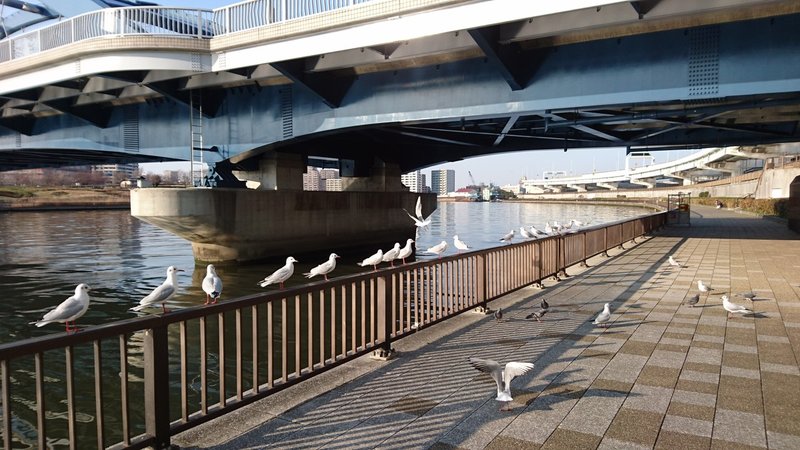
191 23
170 373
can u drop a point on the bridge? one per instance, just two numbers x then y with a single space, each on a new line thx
260 89
716 159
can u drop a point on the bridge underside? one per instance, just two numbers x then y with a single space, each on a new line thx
440 98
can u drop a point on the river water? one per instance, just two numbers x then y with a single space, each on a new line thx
44 255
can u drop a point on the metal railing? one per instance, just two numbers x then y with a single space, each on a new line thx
164 21
156 376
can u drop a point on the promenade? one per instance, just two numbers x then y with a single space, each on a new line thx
662 375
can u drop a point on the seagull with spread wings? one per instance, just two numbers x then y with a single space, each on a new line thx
502 376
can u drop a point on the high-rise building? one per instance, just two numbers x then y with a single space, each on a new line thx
333 184
414 181
443 181
329 174
109 171
311 179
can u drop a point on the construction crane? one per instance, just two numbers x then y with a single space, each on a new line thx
472 179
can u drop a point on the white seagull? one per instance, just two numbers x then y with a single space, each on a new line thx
406 251
674 263
323 269
548 228
537 232
420 221
162 293
702 287
508 237
280 275
69 310
525 233
502 376
391 254
212 284
459 244
604 316
733 308
373 260
576 223
437 249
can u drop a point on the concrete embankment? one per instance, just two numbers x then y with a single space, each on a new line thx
53 199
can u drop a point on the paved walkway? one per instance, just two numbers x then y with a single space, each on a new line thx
661 375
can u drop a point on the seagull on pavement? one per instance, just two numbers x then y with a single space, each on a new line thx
373 260
162 293
691 301
406 251
391 254
674 263
733 308
212 284
502 376
459 244
420 221
437 249
702 287
508 237
323 269
280 275
603 317
537 315
69 310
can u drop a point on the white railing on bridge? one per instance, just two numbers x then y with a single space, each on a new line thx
164 21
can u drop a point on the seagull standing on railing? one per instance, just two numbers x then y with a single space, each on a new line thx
525 233
162 293
459 244
508 237
69 310
323 269
406 251
373 260
537 232
437 249
212 284
280 275
502 376
391 255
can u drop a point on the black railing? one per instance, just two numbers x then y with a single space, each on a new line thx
156 376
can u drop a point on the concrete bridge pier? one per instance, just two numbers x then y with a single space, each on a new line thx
577 187
609 186
280 219
647 184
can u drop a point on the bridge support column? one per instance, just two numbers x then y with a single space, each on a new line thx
276 170
383 177
577 187
646 184
609 186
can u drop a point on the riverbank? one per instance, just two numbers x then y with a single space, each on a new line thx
14 198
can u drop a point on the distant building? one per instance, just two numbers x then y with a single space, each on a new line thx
333 184
443 181
114 173
414 181
329 174
311 179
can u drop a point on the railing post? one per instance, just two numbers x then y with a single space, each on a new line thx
384 315
481 276
156 386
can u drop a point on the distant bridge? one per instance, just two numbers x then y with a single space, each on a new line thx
718 159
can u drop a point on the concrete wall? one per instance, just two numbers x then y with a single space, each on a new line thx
243 224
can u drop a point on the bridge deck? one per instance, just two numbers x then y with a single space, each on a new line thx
661 375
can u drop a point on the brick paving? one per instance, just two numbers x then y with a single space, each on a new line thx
662 375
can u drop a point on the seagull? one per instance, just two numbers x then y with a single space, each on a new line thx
508 237
576 223
547 228
280 275
323 269
373 260
702 286
525 233
459 244
674 263
419 220
162 293
733 308
391 255
604 316
437 249
212 284
69 310
498 315
537 315
537 232
406 251
691 301
544 305
502 376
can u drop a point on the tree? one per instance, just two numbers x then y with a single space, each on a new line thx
154 179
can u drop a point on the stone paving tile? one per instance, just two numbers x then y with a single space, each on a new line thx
686 425
668 440
593 412
638 427
739 427
564 438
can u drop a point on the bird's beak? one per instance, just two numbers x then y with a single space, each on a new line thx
179 270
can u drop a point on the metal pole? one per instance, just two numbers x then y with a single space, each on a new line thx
156 386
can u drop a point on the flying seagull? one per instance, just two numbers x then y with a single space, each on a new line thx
420 221
459 244
69 310
212 284
373 260
733 308
406 251
502 376
323 269
603 317
691 301
162 293
280 275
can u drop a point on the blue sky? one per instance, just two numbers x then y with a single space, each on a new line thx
499 169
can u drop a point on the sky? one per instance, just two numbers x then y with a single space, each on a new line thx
499 169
